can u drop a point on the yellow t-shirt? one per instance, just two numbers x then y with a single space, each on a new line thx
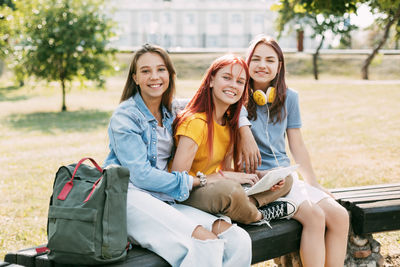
196 128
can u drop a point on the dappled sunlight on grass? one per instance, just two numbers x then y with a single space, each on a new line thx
51 122
7 93
351 131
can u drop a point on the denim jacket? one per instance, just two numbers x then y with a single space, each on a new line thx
133 144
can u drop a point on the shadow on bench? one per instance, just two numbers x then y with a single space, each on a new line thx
267 244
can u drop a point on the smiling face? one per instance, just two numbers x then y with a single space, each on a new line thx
264 66
228 84
152 76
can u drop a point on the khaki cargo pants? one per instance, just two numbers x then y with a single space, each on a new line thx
227 197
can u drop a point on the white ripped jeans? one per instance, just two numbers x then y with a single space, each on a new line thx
167 231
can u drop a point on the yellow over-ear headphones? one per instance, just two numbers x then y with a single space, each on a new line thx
262 98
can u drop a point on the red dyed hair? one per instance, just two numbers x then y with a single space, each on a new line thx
202 101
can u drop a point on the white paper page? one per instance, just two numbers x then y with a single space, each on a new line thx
270 179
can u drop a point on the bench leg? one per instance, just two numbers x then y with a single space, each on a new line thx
363 250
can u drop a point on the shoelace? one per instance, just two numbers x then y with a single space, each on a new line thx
262 222
274 212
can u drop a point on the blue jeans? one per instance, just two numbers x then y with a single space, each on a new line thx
167 231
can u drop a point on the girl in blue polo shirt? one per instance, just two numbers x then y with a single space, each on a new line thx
325 222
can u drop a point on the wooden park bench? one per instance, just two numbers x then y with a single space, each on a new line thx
372 209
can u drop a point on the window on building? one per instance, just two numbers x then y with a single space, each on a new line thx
153 38
212 41
167 19
189 19
236 41
145 17
236 18
258 19
189 41
214 18
167 42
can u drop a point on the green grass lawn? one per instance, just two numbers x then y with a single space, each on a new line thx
351 128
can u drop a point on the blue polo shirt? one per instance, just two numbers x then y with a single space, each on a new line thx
268 134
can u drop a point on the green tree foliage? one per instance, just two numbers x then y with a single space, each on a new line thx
321 16
390 11
330 6
6 29
65 40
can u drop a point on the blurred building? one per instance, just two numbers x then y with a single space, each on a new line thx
194 24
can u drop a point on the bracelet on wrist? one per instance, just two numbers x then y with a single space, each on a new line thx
202 177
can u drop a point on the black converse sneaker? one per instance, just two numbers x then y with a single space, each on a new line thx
281 208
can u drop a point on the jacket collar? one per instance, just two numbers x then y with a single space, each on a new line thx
146 112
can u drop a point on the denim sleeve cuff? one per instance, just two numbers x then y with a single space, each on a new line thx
186 183
244 121
190 182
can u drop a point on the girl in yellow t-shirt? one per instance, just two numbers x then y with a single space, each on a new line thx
206 133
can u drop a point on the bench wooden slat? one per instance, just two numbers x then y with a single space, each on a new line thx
11 257
43 261
24 257
283 238
363 195
369 199
373 209
341 195
365 187
4 264
27 257
389 204
368 218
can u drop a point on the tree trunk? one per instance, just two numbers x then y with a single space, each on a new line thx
367 62
64 107
315 58
300 40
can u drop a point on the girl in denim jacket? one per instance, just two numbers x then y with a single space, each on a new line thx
140 137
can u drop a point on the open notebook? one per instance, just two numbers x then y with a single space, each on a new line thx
269 179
